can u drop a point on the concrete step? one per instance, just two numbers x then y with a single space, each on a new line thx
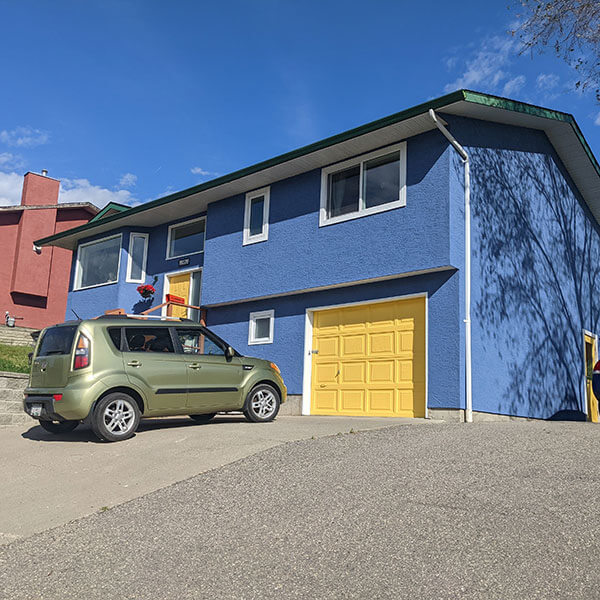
8 419
13 381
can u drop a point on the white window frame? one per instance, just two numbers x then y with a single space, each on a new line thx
128 278
252 340
174 226
353 162
77 280
263 236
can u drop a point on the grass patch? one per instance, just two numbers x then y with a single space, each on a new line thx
14 358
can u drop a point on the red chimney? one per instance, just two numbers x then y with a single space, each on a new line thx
39 190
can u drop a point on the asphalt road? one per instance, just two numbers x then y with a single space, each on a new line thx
449 511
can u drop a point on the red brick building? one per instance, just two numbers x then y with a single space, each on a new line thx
34 286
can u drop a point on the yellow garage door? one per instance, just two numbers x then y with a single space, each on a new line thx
370 360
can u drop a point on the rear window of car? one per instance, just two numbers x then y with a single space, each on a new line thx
57 340
148 339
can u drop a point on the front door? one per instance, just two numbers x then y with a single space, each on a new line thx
153 366
213 381
590 360
179 285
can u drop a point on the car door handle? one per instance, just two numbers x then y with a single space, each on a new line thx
135 363
195 366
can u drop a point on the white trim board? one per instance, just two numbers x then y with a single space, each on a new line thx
321 288
308 340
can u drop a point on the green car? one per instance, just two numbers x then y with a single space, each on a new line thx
111 371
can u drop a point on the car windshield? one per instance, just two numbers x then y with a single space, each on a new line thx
57 340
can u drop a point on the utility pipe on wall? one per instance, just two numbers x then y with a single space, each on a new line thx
465 159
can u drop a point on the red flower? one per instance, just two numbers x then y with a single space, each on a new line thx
146 290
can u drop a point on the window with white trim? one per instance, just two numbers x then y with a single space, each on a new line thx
366 185
137 256
186 238
98 262
256 216
260 327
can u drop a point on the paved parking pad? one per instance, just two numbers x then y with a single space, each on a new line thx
48 480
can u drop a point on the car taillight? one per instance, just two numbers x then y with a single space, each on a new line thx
597 368
57 397
82 353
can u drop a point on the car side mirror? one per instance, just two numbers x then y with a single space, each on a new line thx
229 353
29 357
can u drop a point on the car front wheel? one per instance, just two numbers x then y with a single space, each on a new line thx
116 417
262 404
59 426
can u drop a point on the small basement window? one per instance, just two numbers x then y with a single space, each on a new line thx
256 216
98 262
260 328
136 261
186 238
366 185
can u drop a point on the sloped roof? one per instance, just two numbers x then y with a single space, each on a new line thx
561 128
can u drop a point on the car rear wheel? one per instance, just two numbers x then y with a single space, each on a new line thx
203 418
116 417
262 404
59 426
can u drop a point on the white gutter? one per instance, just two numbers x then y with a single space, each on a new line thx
465 159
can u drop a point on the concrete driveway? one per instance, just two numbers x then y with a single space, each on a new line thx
49 480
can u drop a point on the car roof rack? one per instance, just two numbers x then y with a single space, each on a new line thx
142 317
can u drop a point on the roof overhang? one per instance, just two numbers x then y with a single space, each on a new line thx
561 129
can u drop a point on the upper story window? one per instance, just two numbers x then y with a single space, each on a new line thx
363 186
256 216
186 238
98 262
136 261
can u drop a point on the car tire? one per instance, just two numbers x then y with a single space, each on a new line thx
58 427
203 418
262 404
116 417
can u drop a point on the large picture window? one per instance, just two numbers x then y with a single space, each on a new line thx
186 238
98 262
363 186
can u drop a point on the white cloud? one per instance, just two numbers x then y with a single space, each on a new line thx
81 190
488 66
203 172
546 81
11 161
11 185
597 120
512 86
128 180
24 137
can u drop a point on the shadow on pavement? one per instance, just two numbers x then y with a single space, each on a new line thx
83 433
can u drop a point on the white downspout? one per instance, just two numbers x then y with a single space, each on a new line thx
465 158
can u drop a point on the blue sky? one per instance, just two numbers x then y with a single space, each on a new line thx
130 100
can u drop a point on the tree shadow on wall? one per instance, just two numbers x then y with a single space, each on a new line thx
539 260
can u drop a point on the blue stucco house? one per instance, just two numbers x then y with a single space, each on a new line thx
442 261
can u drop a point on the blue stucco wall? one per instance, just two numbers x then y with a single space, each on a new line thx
536 252
287 349
94 301
300 255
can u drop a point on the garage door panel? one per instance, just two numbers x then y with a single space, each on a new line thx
354 345
352 401
353 372
371 359
381 343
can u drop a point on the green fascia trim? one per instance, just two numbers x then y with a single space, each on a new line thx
460 95
110 206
